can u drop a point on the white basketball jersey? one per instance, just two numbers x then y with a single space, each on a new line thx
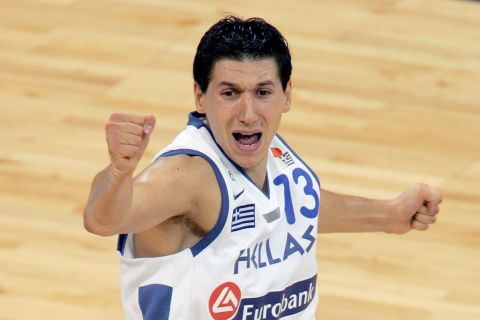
258 262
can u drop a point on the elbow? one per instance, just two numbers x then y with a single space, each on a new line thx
93 226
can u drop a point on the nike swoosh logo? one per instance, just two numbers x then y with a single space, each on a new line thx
235 196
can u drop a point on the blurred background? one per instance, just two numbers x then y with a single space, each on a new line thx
386 94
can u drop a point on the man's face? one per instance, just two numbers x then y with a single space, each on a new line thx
244 103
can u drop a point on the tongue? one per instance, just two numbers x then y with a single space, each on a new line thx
248 140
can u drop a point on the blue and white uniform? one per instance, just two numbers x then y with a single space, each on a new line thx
258 262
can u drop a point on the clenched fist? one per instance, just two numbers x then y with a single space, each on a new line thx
416 208
127 138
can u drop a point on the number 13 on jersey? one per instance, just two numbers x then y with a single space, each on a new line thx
308 190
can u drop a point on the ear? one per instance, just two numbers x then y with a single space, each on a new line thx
288 96
197 92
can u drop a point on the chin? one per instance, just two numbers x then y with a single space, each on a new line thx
247 162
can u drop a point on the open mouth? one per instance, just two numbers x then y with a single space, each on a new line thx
247 140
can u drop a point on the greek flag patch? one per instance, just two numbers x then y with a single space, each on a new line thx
243 217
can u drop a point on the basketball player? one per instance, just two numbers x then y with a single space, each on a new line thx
222 224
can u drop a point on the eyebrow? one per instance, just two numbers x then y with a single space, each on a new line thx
265 83
260 84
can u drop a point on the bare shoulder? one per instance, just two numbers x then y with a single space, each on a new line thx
179 171
179 185
184 190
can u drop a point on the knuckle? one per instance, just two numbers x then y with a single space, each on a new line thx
112 138
137 140
115 116
111 127
112 149
421 186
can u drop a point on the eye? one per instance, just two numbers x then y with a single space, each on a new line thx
229 93
263 92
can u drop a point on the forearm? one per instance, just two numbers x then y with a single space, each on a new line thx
109 203
344 213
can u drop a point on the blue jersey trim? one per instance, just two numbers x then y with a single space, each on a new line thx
122 239
213 234
194 119
155 301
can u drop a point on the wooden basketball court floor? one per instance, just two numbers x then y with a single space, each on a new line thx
386 94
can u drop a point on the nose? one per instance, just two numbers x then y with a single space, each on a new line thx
248 113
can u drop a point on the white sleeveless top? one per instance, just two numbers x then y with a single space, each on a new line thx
258 262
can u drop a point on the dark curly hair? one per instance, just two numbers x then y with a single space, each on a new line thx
237 39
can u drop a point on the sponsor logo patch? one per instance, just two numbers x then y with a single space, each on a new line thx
284 157
278 304
224 301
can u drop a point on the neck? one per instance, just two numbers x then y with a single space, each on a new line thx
258 175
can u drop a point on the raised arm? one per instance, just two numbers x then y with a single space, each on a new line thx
120 203
111 195
416 208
